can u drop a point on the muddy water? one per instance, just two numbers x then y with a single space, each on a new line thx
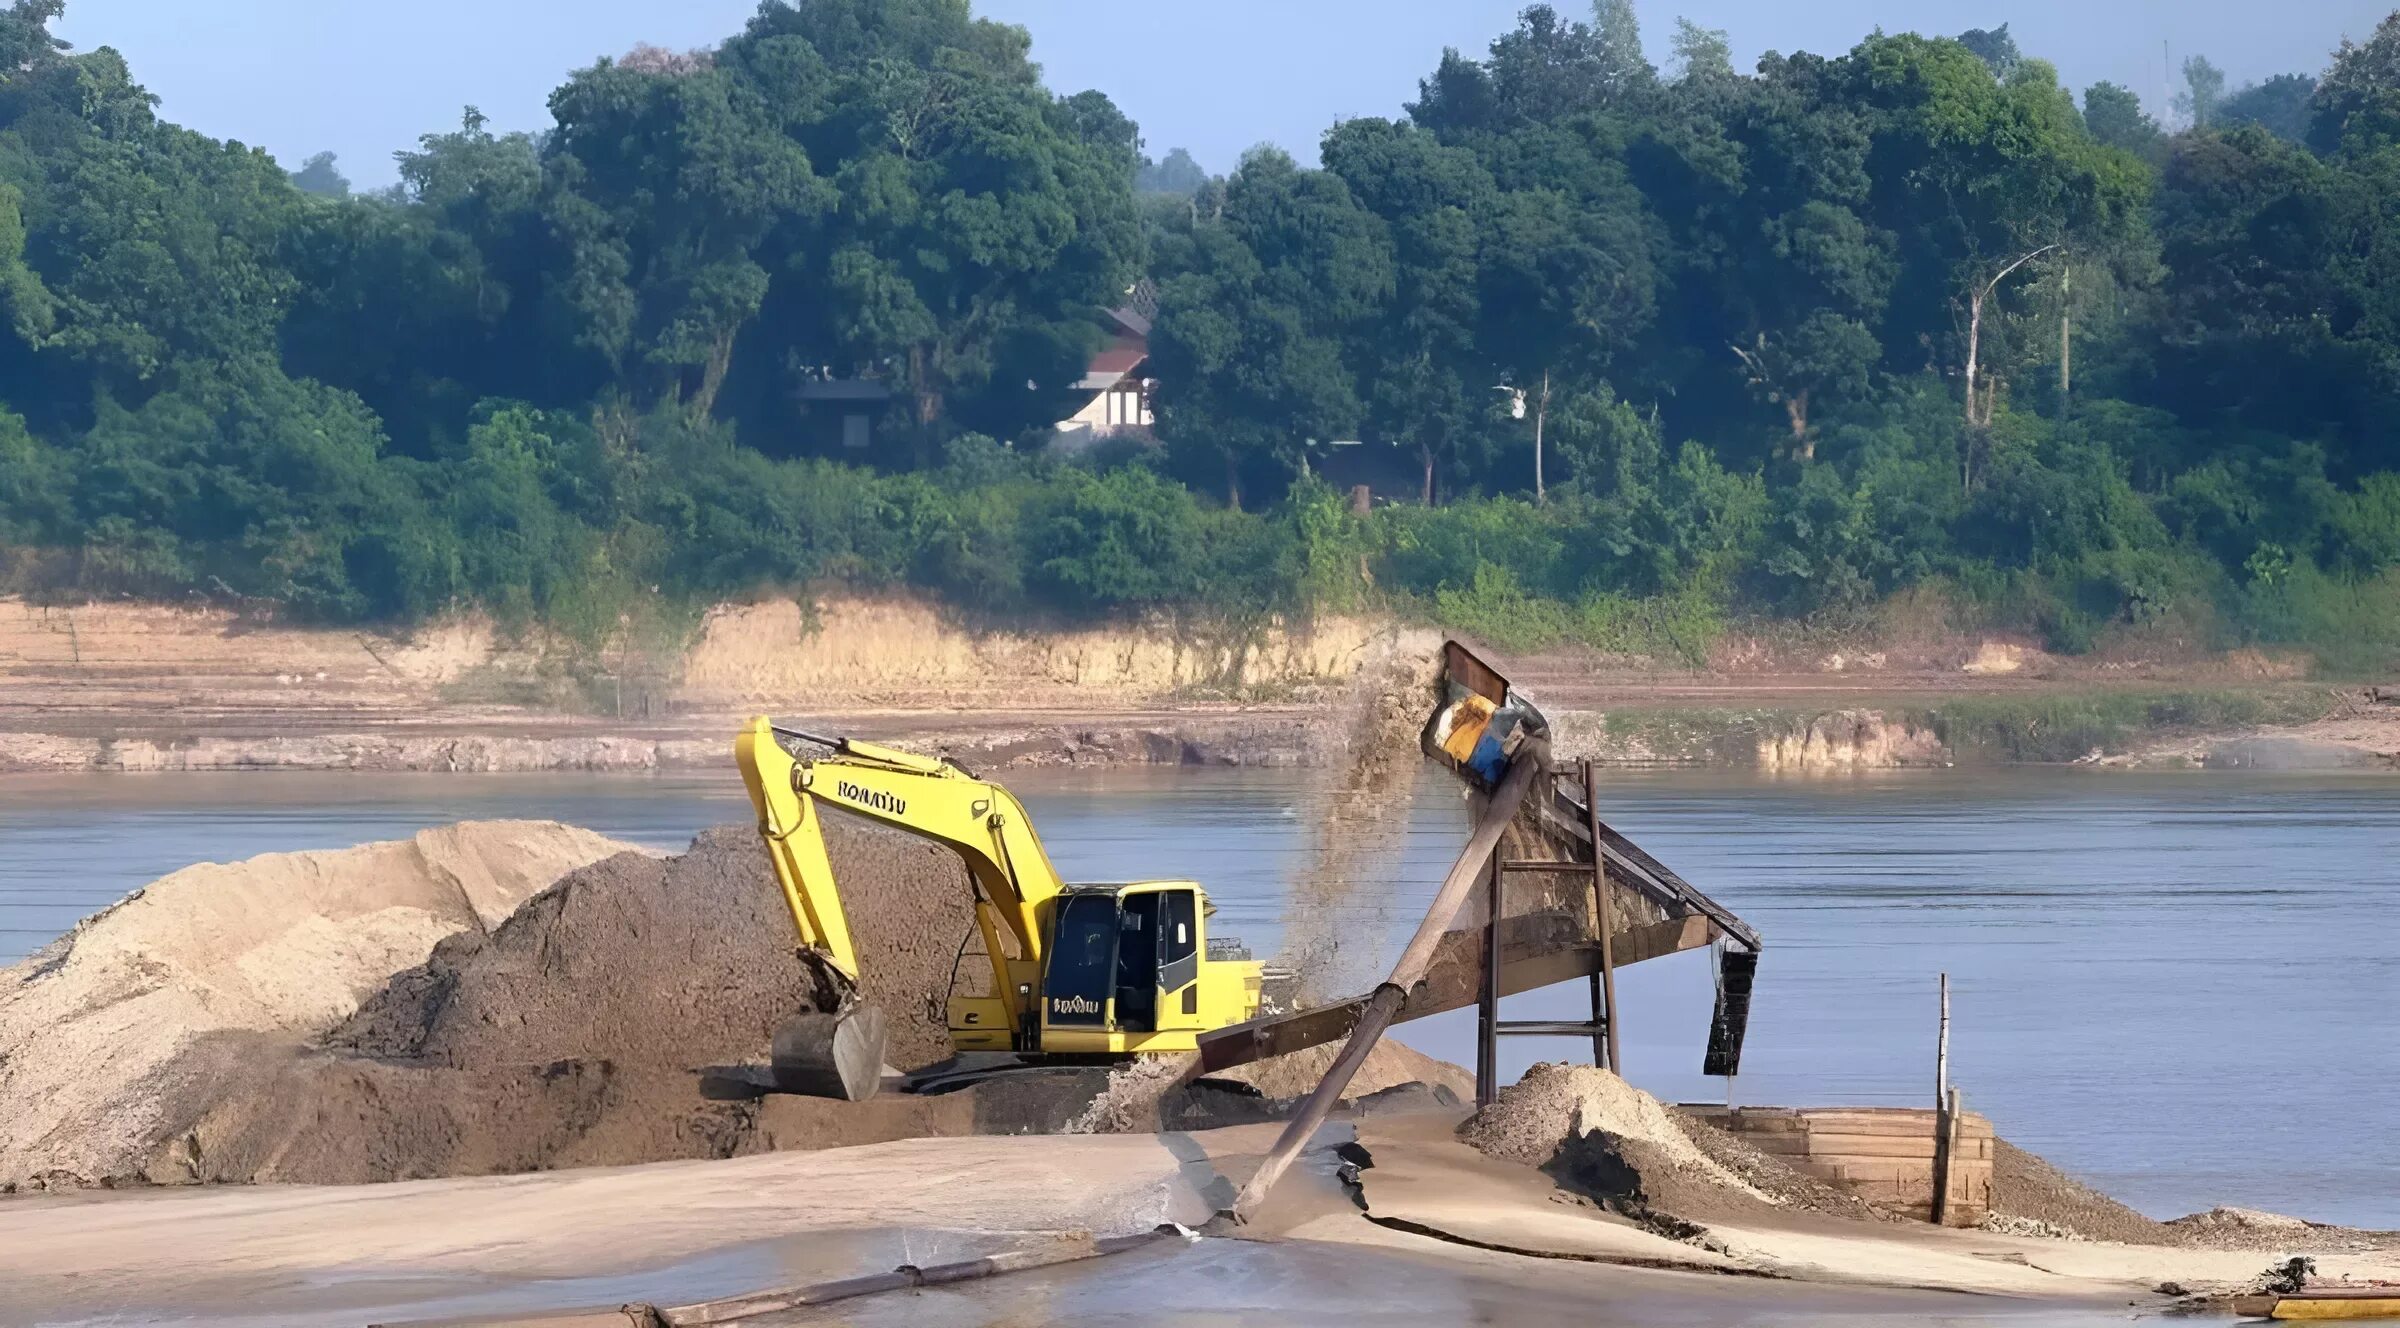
2183 988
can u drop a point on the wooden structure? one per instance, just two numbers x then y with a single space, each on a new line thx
1884 1155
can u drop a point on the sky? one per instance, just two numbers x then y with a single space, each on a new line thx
364 78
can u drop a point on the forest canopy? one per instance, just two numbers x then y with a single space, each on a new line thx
1621 350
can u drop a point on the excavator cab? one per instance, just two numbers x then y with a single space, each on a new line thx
1124 959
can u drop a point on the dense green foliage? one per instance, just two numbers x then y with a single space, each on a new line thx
1790 341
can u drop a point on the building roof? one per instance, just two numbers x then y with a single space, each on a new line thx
843 389
1116 361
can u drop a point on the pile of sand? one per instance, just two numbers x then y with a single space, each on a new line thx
1600 1136
1170 1092
95 1029
2026 1188
508 998
574 1034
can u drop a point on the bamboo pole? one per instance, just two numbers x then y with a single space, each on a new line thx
1531 761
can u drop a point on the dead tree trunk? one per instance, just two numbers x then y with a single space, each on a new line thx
1977 297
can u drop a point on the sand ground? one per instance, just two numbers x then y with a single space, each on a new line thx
1448 1235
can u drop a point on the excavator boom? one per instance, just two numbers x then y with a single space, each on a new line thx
932 799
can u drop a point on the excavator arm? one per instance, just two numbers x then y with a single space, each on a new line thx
928 798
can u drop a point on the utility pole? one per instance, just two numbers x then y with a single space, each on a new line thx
1541 409
2066 337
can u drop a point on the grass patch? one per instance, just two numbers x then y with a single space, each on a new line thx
2072 725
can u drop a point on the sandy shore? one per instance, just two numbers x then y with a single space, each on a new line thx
1447 1235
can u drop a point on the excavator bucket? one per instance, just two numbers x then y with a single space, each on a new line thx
1478 720
836 1055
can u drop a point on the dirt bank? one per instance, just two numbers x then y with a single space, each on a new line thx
96 1028
118 686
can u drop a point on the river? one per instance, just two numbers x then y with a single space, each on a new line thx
2180 988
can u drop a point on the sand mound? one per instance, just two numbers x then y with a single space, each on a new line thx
285 945
2026 1187
1597 1134
678 962
572 1034
1163 1091
541 1025
1389 1065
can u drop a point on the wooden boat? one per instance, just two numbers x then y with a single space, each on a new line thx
2367 1302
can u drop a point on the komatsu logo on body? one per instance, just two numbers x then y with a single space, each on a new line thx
1074 1005
875 798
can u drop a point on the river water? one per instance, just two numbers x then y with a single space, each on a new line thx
2181 988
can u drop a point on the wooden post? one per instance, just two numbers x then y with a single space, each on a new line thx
1941 1050
1950 1128
1487 1023
1604 983
1943 1126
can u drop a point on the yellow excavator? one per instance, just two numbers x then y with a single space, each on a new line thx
1079 973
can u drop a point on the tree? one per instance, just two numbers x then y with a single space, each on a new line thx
2203 91
2275 308
978 223
320 175
1974 177
1178 174
2280 106
1995 47
1543 71
154 245
1702 53
664 185
1420 377
2114 116
1625 72
26 44
1251 343
2358 102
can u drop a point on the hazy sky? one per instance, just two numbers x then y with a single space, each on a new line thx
364 78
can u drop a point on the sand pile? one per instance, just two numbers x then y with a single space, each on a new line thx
572 1034
396 1012
1169 1092
94 1027
1598 1135
2026 1188
1391 1064
1341 907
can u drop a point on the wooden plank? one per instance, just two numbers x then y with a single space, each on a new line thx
1917 1171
